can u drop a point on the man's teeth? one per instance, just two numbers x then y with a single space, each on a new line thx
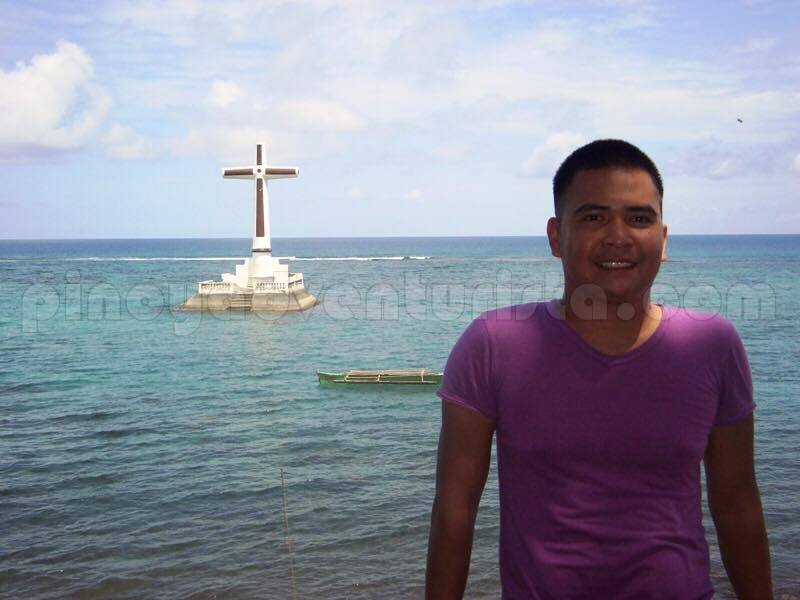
616 264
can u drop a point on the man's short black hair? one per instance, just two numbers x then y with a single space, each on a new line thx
602 154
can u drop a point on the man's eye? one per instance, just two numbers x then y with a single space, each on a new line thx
642 219
591 217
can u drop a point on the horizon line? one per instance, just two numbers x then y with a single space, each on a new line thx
356 237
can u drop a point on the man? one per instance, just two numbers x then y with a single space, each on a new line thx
604 405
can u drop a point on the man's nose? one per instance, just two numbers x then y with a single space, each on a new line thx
617 233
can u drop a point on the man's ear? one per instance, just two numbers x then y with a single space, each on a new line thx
553 236
664 246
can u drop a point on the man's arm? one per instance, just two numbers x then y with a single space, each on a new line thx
735 506
465 447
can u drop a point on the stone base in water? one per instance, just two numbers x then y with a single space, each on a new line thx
293 301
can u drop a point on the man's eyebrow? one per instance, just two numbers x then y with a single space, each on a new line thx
588 206
644 209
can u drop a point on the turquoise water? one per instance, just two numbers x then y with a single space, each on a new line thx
141 449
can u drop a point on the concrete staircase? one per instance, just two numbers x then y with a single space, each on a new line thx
241 302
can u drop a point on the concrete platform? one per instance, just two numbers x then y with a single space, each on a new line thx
294 301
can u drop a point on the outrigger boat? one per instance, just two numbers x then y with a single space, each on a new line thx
402 376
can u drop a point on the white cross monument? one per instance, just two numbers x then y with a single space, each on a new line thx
262 283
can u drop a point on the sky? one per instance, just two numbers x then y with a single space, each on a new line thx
412 118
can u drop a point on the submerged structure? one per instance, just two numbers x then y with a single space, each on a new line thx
262 283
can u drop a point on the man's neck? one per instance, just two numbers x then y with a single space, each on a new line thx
613 327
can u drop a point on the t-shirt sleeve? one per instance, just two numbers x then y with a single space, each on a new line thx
467 373
736 392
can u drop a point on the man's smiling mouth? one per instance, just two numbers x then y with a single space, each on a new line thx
614 265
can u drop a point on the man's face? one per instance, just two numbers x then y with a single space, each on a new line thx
610 233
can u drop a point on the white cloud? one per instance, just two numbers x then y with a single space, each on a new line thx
546 157
451 151
315 114
355 193
726 167
796 164
633 15
413 195
757 45
51 102
224 93
235 145
719 160
122 142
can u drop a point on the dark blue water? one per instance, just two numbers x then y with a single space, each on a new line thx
141 449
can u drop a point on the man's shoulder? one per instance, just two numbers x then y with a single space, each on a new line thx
509 316
704 333
512 324
698 321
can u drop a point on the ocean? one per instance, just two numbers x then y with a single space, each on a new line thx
141 449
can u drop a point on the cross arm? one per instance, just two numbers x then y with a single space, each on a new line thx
280 172
238 173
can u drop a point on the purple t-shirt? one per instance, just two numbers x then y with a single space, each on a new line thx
599 456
